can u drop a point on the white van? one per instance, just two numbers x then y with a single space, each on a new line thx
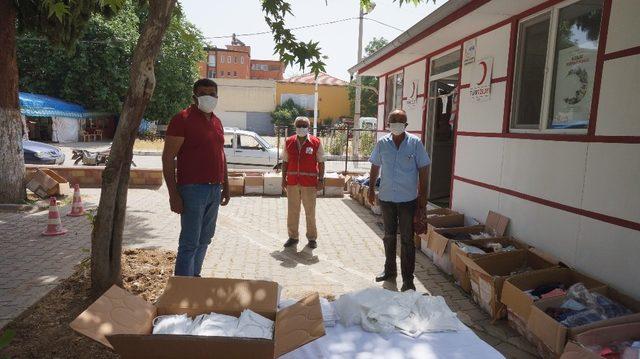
248 148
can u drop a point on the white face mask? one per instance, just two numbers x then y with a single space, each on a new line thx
207 103
302 131
396 128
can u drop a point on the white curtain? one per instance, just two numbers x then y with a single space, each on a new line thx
65 129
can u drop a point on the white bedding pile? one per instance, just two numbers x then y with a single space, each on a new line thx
381 311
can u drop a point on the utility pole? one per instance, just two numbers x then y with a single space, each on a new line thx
356 112
315 108
356 115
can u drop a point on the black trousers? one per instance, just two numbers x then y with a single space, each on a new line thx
399 216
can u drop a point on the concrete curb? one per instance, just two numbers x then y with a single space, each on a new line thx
147 153
27 208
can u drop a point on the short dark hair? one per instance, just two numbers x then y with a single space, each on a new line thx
398 113
204 83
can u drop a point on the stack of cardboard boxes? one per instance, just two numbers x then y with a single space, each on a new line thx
501 276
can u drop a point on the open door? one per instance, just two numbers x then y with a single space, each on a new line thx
443 92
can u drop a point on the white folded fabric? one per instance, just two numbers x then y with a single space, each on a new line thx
215 325
253 325
172 324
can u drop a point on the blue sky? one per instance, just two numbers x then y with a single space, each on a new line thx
338 41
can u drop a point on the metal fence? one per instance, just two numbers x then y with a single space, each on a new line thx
346 149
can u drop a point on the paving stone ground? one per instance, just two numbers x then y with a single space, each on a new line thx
247 244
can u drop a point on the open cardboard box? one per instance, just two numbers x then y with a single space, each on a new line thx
46 182
444 218
520 303
254 184
554 335
460 272
438 244
576 349
488 273
123 322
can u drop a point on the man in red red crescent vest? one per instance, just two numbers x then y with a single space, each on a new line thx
302 176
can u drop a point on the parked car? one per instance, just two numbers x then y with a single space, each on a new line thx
248 148
38 153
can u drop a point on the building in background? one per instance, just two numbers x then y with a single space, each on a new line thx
234 61
333 95
246 104
529 109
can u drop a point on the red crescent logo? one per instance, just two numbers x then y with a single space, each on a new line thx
484 72
413 89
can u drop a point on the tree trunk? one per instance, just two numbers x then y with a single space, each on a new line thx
106 241
11 156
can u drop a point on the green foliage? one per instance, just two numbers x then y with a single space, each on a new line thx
337 140
368 99
6 338
97 75
367 142
286 112
62 21
287 47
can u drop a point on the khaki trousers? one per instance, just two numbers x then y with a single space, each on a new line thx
306 195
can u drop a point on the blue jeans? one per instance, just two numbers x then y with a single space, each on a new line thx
198 221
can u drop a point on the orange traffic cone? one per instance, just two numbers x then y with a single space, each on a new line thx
77 209
54 227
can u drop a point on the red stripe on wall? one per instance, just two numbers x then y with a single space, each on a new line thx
602 46
594 215
622 53
426 99
555 137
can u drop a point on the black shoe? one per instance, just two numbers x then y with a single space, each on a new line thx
313 244
290 242
408 286
385 276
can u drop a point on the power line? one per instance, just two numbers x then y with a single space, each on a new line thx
305 27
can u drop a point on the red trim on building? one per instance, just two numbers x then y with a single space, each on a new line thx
582 212
493 81
513 43
555 137
622 53
597 78
473 5
426 99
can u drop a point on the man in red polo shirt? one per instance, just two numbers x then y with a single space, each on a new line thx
196 137
302 176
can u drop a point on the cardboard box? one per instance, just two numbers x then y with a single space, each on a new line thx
236 184
123 321
460 272
272 184
488 273
254 184
46 183
334 185
376 208
599 337
445 218
363 196
513 290
554 335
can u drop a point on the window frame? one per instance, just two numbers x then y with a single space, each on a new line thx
393 106
543 123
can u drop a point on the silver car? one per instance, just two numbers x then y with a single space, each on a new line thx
248 148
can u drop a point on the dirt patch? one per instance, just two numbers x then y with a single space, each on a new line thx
43 330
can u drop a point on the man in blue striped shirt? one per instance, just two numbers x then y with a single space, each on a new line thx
403 187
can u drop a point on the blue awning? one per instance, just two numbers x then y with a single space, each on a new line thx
33 105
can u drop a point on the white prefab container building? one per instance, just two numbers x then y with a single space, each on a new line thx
530 108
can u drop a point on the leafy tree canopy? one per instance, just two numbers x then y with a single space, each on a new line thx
96 74
286 113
